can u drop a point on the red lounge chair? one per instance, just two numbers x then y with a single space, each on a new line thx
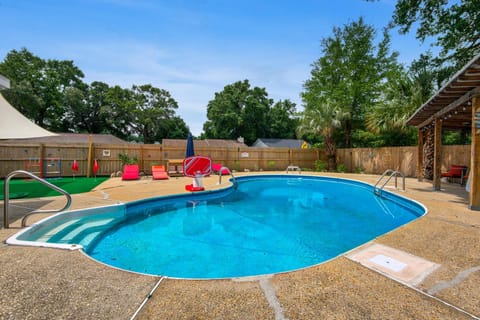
455 171
130 172
217 166
159 173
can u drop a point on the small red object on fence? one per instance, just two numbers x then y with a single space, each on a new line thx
95 167
75 165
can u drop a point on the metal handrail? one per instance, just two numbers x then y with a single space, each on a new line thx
6 196
231 173
392 172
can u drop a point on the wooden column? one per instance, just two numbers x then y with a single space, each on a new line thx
474 195
437 159
420 156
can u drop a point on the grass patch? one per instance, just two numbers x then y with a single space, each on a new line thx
23 188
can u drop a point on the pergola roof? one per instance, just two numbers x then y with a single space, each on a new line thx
452 102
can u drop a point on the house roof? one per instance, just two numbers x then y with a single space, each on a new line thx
278 143
452 102
216 143
71 138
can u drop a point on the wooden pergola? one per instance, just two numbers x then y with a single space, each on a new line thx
455 106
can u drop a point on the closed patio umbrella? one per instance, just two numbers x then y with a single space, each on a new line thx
190 151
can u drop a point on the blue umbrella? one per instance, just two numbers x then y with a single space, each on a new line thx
190 151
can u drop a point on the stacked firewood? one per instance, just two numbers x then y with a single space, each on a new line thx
428 153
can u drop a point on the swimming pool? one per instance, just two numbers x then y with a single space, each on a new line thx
269 224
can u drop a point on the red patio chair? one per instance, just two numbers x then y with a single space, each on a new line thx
130 172
455 171
159 173
216 168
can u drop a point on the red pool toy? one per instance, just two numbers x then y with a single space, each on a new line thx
197 167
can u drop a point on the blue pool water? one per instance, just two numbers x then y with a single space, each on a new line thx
269 224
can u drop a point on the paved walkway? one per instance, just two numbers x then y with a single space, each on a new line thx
428 269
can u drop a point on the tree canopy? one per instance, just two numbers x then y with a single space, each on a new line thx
38 86
454 25
242 111
350 75
53 95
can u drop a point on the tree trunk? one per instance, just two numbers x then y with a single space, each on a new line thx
331 152
332 162
348 134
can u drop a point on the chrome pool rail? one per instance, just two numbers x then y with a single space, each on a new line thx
235 184
6 196
391 172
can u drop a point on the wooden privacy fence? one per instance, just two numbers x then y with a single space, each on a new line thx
57 159
403 159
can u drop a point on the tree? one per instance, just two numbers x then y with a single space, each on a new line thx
85 109
323 121
454 24
120 107
350 74
151 107
51 93
144 113
238 111
387 119
172 128
282 120
38 86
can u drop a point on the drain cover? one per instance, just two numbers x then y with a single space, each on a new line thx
388 263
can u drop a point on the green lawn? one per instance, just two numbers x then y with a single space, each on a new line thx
23 188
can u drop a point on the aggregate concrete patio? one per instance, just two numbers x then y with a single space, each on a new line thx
43 283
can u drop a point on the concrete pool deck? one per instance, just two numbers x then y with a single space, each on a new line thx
43 283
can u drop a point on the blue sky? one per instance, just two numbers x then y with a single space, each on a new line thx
191 48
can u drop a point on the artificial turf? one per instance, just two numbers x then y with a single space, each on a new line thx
27 188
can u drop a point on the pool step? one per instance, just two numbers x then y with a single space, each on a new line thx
73 232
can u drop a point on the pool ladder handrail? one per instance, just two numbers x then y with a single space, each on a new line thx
6 196
235 184
378 191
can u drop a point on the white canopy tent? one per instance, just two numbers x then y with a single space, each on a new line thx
14 125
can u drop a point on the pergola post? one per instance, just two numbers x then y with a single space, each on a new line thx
474 196
420 156
437 154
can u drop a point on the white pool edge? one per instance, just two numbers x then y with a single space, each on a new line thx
13 240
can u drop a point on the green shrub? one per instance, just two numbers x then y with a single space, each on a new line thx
320 165
271 165
341 168
125 159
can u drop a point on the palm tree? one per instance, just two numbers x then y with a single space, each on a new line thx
402 97
323 121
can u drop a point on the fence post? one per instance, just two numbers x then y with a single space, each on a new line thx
41 155
90 156
141 159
